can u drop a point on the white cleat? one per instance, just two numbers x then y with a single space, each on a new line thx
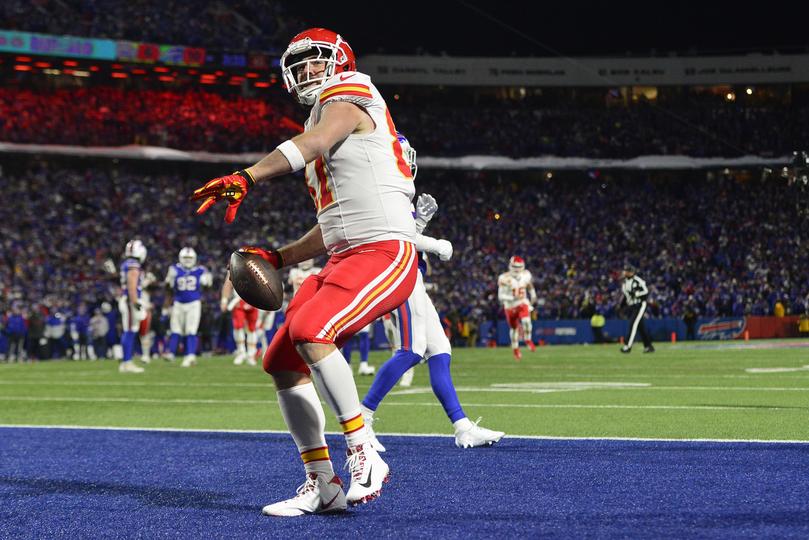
368 473
238 360
366 369
189 361
407 378
315 496
476 436
369 425
129 367
145 359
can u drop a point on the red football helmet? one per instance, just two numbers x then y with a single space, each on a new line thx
303 80
516 264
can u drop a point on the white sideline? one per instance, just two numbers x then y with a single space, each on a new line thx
528 437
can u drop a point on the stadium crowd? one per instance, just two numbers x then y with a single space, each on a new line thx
204 120
708 245
253 25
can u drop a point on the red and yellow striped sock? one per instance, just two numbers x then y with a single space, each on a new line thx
317 460
354 430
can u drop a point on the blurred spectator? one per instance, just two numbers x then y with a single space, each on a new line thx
99 327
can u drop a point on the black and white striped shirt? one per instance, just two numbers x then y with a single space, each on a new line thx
635 291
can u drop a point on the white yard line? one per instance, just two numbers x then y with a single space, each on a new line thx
529 437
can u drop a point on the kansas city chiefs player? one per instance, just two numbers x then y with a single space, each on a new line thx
361 187
515 290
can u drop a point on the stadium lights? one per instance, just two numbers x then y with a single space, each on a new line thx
42 64
262 84
139 71
52 71
23 59
80 73
71 63
166 78
94 68
160 69
252 75
20 67
118 75
749 91
730 96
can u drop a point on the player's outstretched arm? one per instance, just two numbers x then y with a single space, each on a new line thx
338 121
308 246
440 247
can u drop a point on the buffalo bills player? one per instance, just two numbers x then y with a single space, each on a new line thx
129 303
185 280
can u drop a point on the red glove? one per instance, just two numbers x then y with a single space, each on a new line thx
272 256
233 188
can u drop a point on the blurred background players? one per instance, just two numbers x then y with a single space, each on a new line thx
419 335
364 339
129 303
513 290
635 295
145 331
244 318
185 280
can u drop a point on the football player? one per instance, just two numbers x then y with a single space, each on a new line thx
515 290
184 281
245 322
361 187
364 337
421 336
129 303
298 274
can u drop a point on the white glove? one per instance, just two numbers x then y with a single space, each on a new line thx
444 249
425 208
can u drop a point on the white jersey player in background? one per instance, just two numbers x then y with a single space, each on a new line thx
515 290
420 336
298 274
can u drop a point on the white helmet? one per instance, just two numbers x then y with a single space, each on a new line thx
409 154
307 264
516 264
315 45
188 257
135 250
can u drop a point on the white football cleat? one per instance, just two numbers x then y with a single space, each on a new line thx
189 360
238 360
365 369
317 495
369 425
368 473
407 378
145 359
476 436
129 367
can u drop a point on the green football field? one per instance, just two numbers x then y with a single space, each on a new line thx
731 390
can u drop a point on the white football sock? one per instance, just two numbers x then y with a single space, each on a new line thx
335 383
306 421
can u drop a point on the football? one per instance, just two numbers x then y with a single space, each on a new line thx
256 281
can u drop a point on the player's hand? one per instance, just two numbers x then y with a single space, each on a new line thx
425 209
271 256
232 188
444 249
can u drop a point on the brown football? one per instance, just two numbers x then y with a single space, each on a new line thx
256 281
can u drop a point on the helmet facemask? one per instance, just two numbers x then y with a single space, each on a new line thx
296 61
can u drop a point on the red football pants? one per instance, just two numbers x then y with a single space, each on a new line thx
355 288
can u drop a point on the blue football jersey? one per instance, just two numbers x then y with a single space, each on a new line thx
125 267
187 282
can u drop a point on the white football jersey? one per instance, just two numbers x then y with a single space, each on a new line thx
362 187
514 286
298 275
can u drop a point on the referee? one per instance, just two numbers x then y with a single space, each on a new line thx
635 295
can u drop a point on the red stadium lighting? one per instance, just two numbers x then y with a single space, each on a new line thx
139 71
23 59
72 63
161 69
117 66
94 68
19 67
42 64
219 73
118 75
252 75
166 78
262 84
192 71
207 81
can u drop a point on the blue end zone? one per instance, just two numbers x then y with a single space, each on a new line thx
64 483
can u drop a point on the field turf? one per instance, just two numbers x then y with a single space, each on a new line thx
698 440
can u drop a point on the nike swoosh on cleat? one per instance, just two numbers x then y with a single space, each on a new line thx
326 506
367 483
